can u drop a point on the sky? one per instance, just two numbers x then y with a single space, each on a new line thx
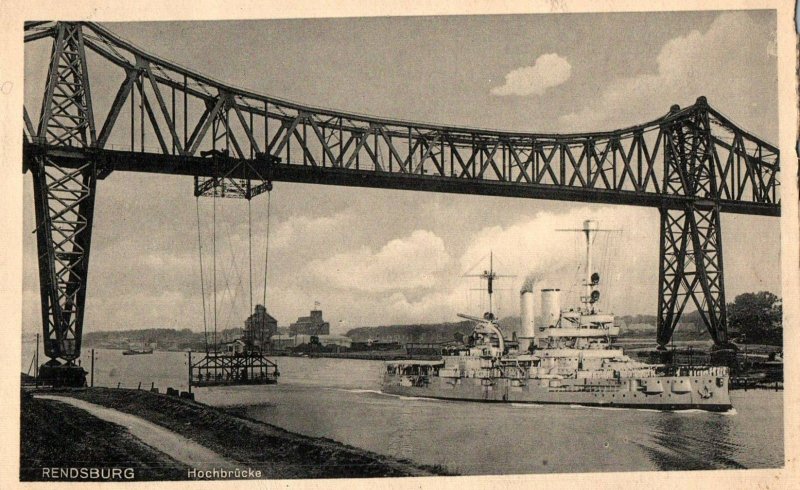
373 256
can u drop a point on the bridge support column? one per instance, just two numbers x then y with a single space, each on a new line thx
691 267
691 238
64 201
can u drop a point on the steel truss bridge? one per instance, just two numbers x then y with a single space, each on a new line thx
691 164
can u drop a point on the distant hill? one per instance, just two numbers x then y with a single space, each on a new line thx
643 326
638 326
421 333
427 332
164 338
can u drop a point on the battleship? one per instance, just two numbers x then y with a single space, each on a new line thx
569 359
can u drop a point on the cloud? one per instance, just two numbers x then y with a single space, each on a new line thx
535 246
403 263
299 227
433 307
728 64
549 70
531 245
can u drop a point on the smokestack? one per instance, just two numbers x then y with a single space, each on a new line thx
551 308
526 319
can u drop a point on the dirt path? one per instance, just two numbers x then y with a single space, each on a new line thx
166 441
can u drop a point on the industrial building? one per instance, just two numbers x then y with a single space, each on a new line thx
259 327
310 325
283 342
233 348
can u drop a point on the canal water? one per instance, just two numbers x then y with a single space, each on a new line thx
340 399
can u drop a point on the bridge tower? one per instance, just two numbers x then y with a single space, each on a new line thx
64 201
691 238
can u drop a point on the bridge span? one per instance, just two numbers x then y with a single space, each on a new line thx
692 164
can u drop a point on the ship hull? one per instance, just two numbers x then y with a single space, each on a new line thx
705 392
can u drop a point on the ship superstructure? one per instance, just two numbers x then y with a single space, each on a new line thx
569 358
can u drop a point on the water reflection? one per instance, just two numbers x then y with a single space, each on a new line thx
340 399
692 441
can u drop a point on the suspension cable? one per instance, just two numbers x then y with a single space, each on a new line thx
232 278
214 241
266 253
250 252
202 279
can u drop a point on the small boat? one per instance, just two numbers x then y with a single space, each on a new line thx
141 349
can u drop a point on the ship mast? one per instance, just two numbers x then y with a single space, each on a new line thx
490 275
591 280
590 231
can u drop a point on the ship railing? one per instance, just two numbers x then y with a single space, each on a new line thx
513 371
585 388
719 371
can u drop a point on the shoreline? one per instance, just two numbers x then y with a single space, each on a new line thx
252 445
47 447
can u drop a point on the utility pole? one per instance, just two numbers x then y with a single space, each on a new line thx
36 362
91 376
190 371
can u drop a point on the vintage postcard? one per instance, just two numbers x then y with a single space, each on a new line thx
532 242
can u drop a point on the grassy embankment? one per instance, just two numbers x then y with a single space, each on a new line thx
276 452
56 435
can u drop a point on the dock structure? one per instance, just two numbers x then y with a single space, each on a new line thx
241 361
218 369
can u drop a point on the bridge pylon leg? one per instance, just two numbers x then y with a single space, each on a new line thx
691 267
64 202
691 237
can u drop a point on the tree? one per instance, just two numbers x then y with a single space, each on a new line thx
757 317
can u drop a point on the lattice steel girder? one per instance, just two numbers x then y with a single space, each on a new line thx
741 167
274 171
224 182
64 195
691 267
691 240
66 113
64 202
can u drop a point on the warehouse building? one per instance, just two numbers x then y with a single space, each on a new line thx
310 325
259 327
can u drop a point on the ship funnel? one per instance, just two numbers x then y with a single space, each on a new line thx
551 309
526 319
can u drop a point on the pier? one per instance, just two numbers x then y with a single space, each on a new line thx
247 368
